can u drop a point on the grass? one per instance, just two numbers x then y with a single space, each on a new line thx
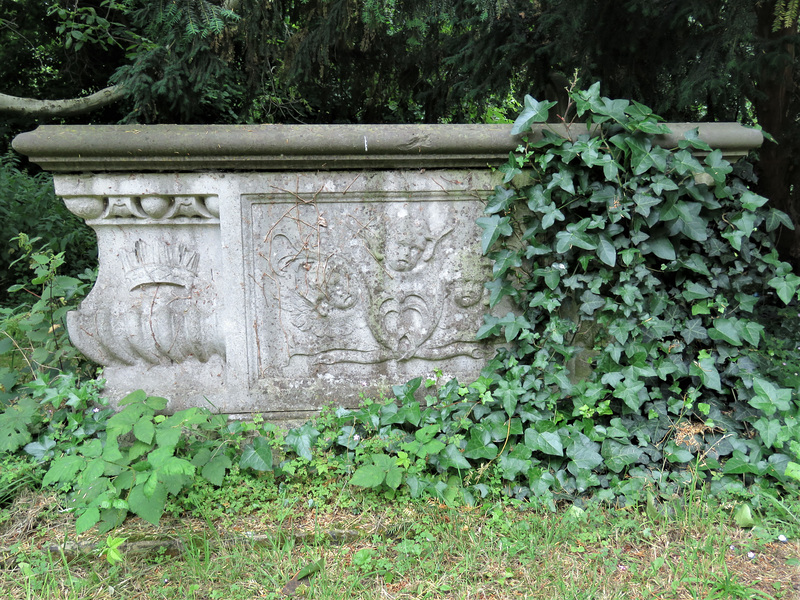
359 545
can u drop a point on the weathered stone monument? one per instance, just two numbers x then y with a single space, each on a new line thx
272 268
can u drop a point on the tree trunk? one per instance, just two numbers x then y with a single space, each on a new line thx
30 107
776 114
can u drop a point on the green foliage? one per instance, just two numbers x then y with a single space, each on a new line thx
29 204
637 274
645 264
17 473
143 459
33 337
86 24
177 72
787 13
59 414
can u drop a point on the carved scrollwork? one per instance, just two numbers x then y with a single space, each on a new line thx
145 209
398 287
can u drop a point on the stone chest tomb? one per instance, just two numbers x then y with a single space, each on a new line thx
274 269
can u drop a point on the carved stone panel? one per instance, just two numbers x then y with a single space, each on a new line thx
362 291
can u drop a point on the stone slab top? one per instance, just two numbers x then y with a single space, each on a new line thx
96 148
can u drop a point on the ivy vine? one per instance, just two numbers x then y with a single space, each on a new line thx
646 264
634 351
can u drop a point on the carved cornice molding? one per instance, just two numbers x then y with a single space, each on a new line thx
97 148
145 209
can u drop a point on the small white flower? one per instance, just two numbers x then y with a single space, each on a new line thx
559 266
751 555
732 547
356 437
782 538
622 568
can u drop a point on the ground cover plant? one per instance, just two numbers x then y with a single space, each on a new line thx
648 370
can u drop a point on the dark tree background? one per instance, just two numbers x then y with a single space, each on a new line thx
400 61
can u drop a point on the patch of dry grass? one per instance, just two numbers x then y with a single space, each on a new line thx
398 550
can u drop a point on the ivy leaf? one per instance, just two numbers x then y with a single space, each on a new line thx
512 325
562 179
618 456
606 251
591 302
778 398
677 454
785 286
480 445
629 393
512 466
215 469
726 330
752 201
490 327
660 246
692 139
776 218
696 263
644 203
549 442
302 439
685 163
611 168
505 260
718 167
425 434
645 156
751 333
738 464
769 430
498 289
450 457
565 240
550 214
665 368
552 278
493 227
533 112
695 291
510 169
793 470
500 200
508 393
584 454
706 369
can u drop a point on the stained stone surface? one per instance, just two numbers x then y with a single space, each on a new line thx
273 269
279 292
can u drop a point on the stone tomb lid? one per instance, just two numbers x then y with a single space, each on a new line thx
94 148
